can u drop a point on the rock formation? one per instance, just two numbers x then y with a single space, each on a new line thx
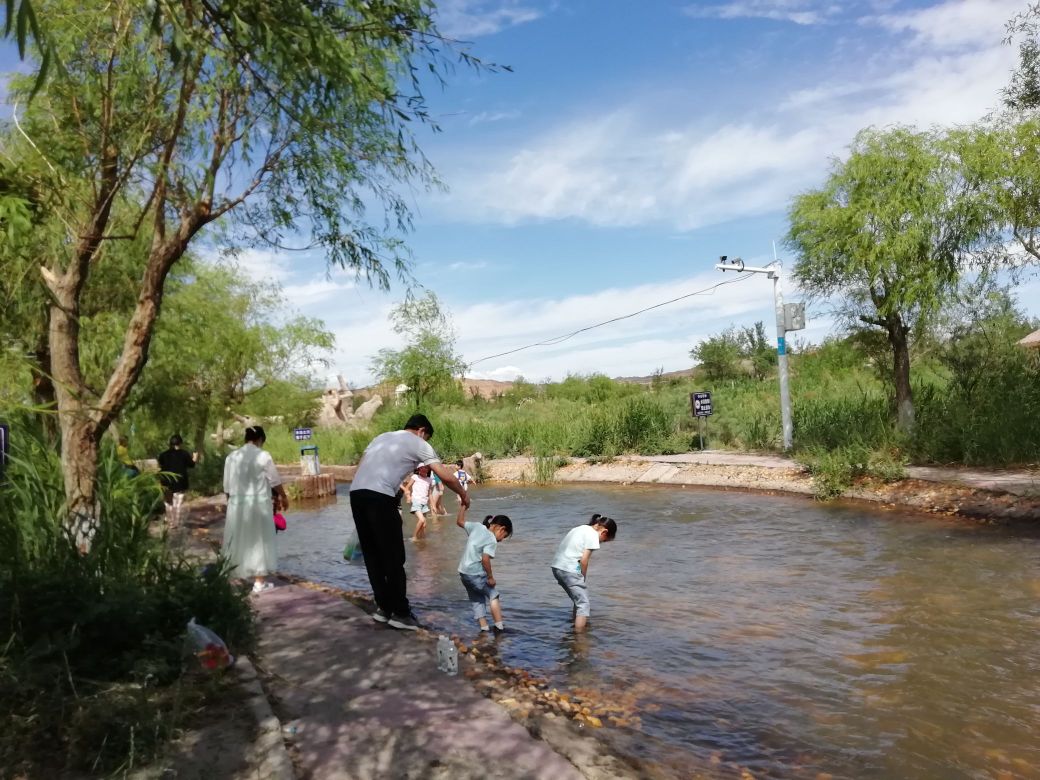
336 406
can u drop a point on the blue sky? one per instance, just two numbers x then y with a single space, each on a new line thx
632 144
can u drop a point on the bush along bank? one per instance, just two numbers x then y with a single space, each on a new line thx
94 674
843 418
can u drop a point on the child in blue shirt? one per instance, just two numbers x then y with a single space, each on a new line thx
475 565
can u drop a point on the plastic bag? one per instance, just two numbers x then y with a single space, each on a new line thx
279 522
352 550
207 647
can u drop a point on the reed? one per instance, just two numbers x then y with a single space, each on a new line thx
91 645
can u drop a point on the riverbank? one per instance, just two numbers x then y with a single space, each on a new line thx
990 496
328 671
354 699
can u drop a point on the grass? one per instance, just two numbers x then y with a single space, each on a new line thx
92 655
843 420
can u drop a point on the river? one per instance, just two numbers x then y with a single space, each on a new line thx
751 633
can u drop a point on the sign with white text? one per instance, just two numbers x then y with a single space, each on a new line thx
700 403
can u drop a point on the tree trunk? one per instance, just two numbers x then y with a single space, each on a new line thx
898 338
79 463
79 431
43 390
200 431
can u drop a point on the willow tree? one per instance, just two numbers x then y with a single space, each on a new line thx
1003 156
271 117
887 237
428 362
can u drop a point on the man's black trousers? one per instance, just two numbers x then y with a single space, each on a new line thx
380 532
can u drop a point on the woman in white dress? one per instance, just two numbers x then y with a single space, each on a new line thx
250 478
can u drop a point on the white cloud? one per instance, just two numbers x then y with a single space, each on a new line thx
636 164
260 265
474 18
797 11
315 291
658 338
486 117
953 24
467 266
500 374
617 170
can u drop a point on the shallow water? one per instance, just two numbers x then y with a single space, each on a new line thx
757 633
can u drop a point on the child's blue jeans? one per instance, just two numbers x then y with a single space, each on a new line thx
480 594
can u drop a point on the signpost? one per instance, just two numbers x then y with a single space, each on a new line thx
700 406
301 434
5 446
788 317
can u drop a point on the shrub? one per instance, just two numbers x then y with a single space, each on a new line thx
91 645
833 471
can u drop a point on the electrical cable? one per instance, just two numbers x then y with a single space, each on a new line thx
560 339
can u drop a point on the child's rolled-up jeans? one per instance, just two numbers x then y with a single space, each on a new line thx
480 594
574 583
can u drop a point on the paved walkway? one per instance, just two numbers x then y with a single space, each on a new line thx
367 701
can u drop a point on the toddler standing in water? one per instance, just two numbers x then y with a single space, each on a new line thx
475 565
417 493
571 564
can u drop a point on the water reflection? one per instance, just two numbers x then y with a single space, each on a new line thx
735 633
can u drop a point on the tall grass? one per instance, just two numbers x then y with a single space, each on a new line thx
838 403
91 645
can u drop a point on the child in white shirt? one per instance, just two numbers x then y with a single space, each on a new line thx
417 493
571 564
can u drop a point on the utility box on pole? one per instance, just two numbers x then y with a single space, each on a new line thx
794 316
791 317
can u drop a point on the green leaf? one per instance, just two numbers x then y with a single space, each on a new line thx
41 75
22 33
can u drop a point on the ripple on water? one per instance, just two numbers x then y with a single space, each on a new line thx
755 633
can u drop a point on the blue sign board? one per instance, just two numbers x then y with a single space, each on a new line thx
700 403
301 434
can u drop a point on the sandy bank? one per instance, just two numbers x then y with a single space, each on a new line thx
956 495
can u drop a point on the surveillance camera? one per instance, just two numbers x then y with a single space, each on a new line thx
722 258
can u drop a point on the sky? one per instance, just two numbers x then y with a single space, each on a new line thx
632 144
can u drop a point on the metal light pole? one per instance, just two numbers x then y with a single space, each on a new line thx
772 271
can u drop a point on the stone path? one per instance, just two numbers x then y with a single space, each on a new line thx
361 700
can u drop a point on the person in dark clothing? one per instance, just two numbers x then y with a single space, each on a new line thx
374 504
174 464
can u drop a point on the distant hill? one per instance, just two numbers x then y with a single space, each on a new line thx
489 388
645 380
486 388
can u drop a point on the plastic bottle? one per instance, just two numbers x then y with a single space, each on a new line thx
447 655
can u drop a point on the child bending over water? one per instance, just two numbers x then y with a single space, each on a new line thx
571 564
475 565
